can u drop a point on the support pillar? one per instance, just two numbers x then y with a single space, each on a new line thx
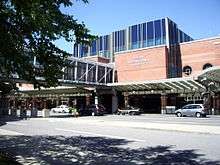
57 102
214 107
218 104
114 102
34 108
87 100
126 99
163 103
173 101
45 104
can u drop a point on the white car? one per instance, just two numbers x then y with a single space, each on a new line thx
61 108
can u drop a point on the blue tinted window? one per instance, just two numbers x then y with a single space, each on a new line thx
81 51
119 44
116 40
157 27
75 53
93 48
150 30
144 31
181 36
175 34
139 32
100 43
134 39
134 33
106 51
105 42
163 27
144 27
85 50
150 34
185 39
122 40
163 32
171 32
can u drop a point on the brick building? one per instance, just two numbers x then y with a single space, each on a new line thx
157 64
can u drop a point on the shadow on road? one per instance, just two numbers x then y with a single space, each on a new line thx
5 119
93 150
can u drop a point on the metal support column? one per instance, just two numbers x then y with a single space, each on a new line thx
75 70
96 73
105 74
87 70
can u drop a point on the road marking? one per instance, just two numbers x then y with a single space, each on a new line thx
102 135
11 123
7 132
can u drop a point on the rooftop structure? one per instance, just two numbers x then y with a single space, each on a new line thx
152 33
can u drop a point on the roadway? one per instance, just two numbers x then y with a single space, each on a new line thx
112 139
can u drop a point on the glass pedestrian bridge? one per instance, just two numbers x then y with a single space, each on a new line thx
82 71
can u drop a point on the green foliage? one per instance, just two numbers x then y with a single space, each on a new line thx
28 29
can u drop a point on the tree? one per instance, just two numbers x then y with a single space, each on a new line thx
28 29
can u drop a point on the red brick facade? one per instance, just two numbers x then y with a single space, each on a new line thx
152 63
140 65
198 53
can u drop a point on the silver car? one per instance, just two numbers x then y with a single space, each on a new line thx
191 110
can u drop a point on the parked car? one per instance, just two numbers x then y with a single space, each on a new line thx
92 110
61 108
129 110
197 110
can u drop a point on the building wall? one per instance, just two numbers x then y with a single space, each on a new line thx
198 53
141 65
98 59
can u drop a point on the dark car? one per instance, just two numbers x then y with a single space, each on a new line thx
92 110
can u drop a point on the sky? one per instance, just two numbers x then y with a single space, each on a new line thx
197 18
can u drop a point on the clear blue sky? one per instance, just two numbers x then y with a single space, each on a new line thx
198 18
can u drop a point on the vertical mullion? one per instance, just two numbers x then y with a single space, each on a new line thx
75 70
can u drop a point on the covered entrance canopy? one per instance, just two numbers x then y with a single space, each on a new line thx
174 92
56 92
209 79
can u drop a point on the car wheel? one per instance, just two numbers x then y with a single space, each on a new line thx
198 114
178 114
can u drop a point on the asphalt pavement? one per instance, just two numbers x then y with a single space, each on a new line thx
112 139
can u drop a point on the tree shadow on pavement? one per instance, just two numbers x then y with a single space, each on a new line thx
6 118
93 150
